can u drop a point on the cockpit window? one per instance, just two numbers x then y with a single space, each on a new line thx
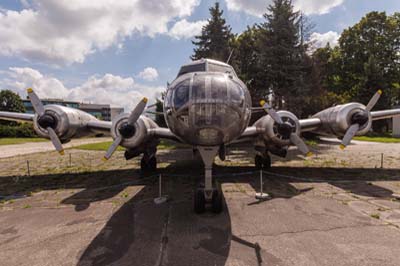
199 87
181 94
220 68
218 87
237 94
201 67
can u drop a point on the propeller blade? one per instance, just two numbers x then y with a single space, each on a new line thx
137 111
296 140
275 116
374 100
351 132
112 148
36 103
55 140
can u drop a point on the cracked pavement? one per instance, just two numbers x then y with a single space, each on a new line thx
321 216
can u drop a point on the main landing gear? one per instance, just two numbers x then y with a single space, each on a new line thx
262 162
148 163
207 194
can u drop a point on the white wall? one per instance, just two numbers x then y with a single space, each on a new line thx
396 127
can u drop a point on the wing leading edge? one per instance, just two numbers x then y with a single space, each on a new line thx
18 117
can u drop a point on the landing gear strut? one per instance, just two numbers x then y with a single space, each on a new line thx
148 164
208 194
262 162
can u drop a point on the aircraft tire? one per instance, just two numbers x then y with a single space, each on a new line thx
258 161
199 201
143 165
216 203
153 164
266 162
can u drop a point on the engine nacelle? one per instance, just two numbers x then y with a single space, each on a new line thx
67 122
337 120
142 125
270 128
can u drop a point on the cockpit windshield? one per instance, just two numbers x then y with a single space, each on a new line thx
181 94
212 67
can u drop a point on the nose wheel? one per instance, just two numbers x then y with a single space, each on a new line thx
208 195
201 202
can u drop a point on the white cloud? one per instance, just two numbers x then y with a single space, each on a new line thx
149 74
321 39
185 30
317 6
107 89
259 7
255 7
67 31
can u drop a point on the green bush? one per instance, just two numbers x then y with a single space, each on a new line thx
20 131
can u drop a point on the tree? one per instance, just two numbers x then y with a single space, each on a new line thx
323 96
11 102
283 57
369 58
245 60
159 118
215 39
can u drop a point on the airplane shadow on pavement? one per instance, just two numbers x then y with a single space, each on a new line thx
140 232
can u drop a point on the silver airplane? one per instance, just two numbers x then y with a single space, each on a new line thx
209 107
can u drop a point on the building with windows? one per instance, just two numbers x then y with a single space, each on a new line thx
101 111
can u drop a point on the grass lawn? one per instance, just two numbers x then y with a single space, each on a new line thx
378 139
10 141
103 146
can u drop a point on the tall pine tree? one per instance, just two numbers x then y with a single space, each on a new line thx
283 57
215 39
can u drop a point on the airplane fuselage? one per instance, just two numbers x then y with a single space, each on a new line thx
207 104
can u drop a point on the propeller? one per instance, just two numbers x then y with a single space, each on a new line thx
285 129
46 121
127 129
358 120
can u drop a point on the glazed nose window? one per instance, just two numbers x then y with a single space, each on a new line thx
181 96
218 88
199 87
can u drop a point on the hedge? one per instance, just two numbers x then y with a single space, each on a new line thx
20 131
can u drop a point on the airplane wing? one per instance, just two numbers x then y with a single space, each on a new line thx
311 124
163 133
377 115
95 125
18 117
282 129
60 124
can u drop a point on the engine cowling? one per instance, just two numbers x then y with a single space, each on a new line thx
274 133
133 137
337 120
67 122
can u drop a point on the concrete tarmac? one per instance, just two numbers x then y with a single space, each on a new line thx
109 218
34 147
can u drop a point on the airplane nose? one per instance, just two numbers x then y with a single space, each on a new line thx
210 136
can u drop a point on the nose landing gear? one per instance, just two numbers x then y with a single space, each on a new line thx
200 202
207 194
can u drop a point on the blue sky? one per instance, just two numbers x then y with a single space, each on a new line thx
104 51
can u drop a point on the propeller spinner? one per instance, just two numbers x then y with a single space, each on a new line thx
127 129
358 120
45 120
286 129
